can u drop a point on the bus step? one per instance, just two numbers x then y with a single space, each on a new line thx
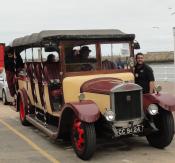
49 130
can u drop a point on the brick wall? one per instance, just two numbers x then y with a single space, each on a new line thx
159 56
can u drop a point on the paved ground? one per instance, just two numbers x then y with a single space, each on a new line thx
19 144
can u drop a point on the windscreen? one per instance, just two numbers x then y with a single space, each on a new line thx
115 55
84 57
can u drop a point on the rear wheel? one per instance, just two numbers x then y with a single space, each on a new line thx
165 124
83 139
23 112
4 98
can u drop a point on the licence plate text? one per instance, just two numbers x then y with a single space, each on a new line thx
130 130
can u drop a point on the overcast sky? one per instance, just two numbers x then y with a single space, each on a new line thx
151 20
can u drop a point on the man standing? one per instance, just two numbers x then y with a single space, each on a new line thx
144 75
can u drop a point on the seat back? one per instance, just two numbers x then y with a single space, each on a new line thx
29 71
37 71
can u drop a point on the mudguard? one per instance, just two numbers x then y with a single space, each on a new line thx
86 111
165 101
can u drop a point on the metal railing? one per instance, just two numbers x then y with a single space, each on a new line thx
164 73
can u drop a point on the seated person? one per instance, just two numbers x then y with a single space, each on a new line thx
75 56
13 65
50 58
119 64
84 55
78 60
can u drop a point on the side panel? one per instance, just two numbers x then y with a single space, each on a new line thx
47 99
29 92
71 85
102 101
22 84
166 101
39 105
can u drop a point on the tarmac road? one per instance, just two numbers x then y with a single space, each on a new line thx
19 144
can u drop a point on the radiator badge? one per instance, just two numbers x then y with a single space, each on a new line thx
128 98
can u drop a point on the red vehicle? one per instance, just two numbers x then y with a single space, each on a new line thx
2 48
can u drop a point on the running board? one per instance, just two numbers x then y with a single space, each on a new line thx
49 130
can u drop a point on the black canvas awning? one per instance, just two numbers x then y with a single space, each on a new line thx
37 38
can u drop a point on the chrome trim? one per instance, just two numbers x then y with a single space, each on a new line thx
118 88
128 123
112 101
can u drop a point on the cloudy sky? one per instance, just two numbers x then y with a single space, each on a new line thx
151 20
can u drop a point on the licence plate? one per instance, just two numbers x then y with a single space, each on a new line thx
130 130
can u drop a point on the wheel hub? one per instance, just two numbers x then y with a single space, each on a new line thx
78 135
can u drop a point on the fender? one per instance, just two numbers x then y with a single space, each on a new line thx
166 101
23 94
86 111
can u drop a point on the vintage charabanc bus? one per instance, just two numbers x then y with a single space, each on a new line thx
88 91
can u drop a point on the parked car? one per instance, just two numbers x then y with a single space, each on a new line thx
4 90
84 95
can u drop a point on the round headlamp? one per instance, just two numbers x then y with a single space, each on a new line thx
109 115
153 109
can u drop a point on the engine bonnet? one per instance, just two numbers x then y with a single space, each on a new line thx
72 86
100 85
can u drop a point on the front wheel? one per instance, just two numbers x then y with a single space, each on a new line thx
165 124
83 139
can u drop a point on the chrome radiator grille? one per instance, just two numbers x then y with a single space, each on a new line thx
127 105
